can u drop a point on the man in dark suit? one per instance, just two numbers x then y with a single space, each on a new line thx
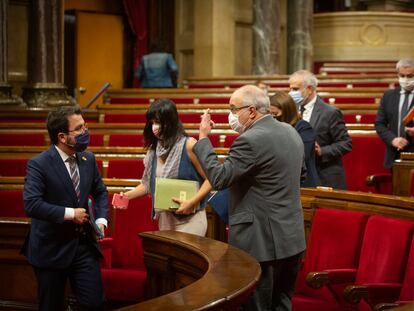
262 171
394 106
332 138
61 243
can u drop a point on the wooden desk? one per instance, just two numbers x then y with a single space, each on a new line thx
401 174
18 287
189 272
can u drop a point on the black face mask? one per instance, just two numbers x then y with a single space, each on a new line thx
82 141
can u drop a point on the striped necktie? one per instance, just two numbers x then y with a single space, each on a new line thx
74 175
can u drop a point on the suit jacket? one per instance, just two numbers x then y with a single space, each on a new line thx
308 136
263 171
333 137
52 241
386 125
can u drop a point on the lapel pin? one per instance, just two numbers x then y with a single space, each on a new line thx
83 159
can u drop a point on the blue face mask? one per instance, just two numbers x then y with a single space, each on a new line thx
297 97
82 141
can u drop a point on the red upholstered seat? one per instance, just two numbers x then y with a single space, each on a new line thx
124 118
24 139
407 289
124 168
334 242
196 117
214 138
11 203
123 269
13 167
351 100
366 158
380 294
96 140
129 100
230 138
383 258
126 140
367 118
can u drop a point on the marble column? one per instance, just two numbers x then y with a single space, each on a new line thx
266 37
45 73
299 43
6 97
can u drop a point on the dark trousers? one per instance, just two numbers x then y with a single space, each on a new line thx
85 279
276 285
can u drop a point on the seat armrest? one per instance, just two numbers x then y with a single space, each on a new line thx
382 183
375 179
385 306
106 245
372 293
333 277
354 293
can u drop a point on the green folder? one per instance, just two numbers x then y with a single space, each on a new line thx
167 188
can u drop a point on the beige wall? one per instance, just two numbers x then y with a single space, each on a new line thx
363 36
214 37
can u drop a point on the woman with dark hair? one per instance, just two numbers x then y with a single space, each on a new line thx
283 108
170 155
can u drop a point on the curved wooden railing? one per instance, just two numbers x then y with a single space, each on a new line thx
195 273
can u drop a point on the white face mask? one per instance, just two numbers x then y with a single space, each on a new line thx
297 97
235 123
156 129
407 83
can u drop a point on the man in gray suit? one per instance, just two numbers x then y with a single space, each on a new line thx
262 171
332 138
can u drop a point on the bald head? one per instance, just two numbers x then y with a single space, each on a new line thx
250 95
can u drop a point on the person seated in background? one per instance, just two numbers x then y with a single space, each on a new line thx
262 85
157 69
332 138
395 104
170 155
283 108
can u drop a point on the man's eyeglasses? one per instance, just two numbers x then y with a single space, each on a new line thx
235 109
81 128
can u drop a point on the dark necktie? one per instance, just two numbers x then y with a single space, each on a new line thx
302 110
404 111
74 175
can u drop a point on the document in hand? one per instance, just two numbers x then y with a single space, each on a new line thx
167 188
409 117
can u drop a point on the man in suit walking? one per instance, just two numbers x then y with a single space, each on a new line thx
262 171
332 138
61 243
394 106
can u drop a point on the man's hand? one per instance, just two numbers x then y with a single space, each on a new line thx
80 216
318 149
399 143
206 124
409 131
101 227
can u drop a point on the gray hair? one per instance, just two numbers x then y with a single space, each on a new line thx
252 95
403 63
309 79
